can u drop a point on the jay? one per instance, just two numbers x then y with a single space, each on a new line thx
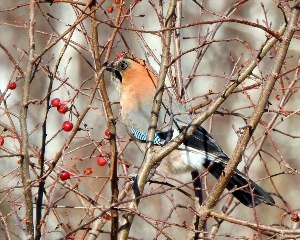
136 83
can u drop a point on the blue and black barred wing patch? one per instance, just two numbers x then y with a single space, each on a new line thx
142 136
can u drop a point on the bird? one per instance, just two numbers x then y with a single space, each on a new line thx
136 83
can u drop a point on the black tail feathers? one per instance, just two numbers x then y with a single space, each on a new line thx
245 189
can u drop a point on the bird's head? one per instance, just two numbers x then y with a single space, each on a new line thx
133 73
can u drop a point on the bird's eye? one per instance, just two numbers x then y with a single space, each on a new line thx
123 65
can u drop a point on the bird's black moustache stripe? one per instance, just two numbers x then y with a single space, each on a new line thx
118 75
114 71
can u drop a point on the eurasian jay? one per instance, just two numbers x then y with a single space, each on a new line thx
136 83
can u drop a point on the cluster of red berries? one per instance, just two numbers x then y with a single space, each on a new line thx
68 126
65 175
101 160
62 108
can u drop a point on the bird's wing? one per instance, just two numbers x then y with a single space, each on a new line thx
203 142
173 119
200 141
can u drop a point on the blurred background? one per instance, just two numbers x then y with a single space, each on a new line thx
216 53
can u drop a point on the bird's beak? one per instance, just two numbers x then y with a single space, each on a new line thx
110 67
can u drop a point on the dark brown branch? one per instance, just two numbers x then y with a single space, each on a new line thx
110 120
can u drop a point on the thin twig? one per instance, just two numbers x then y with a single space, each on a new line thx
282 232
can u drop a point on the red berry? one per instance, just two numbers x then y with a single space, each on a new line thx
117 1
295 217
12 86
101 161
64 175
137 1
88 171
67 126
110 9
107 133
1 140
106 216
55 102
62 108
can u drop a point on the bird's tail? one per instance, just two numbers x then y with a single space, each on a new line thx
245 189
